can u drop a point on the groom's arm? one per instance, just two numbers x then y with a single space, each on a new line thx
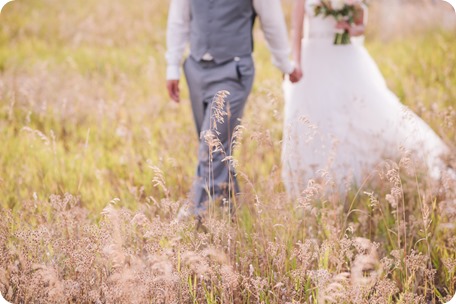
275 31
177 36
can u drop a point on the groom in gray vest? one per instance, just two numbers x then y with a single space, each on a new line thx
220 36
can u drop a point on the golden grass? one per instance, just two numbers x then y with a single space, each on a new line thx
83 110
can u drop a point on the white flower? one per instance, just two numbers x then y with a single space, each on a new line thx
337 4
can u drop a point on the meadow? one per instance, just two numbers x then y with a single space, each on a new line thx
96 161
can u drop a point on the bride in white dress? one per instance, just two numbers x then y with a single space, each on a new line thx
341 120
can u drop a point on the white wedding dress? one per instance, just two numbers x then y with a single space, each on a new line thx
341 120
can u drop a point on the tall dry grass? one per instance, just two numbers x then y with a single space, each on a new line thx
83 110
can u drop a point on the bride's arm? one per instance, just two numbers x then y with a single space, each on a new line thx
360 21
297 22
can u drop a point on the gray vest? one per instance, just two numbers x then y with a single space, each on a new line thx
222 28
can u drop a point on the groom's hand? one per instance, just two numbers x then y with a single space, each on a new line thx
296 75
173 89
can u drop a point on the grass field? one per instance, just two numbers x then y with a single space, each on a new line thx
95 162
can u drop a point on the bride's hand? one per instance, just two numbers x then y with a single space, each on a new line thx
343 25
353 29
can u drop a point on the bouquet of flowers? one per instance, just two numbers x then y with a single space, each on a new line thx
341 10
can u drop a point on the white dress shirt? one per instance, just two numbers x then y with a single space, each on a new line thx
272 24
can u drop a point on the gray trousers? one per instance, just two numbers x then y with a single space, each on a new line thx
216 178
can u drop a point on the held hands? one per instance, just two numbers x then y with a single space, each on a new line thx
173 89
296 75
